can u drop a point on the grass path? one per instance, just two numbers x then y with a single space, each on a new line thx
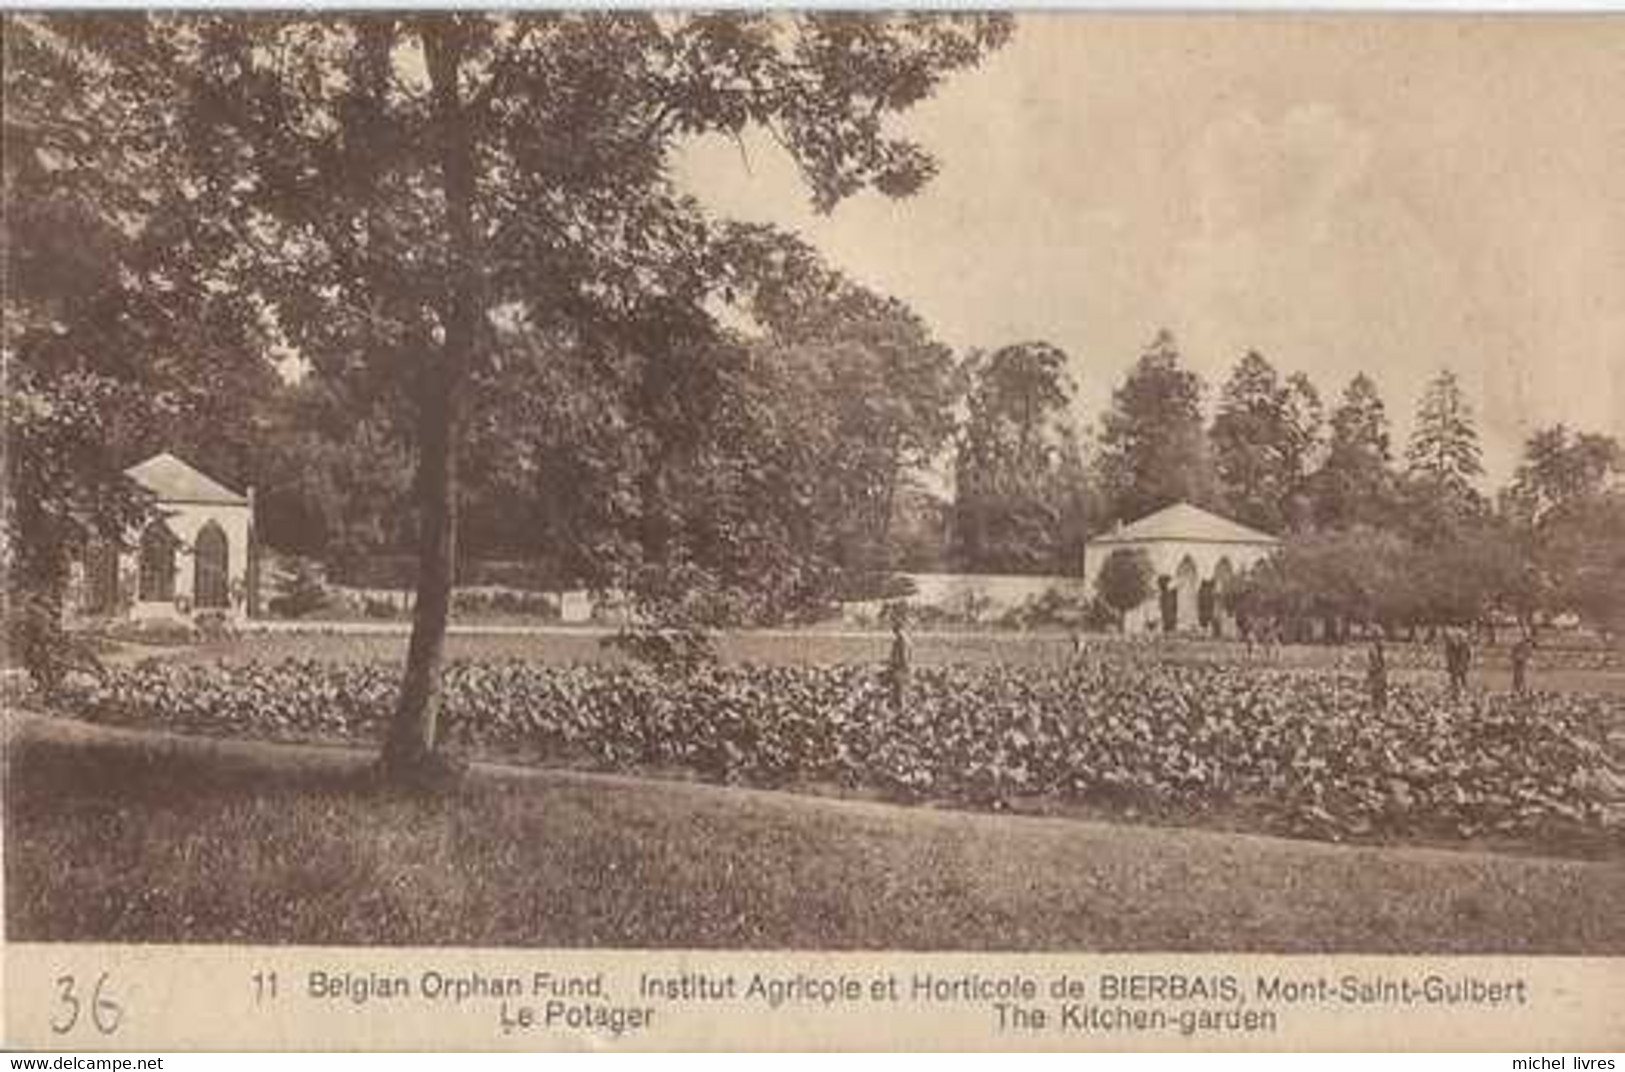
128 836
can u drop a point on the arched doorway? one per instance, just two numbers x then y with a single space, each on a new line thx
211 568
157 559
1224 577
1187 584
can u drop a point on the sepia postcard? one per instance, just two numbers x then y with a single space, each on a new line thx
556 530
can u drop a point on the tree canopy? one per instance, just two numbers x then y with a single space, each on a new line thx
1018 468
1354 484
1559 468
520 336
1264 436
118 321
1153 439
1443 456
406 183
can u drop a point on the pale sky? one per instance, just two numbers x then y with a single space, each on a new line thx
1342 194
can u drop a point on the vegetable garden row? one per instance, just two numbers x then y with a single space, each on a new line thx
1306 752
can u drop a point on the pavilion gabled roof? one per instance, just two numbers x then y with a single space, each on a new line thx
1185 523
172 480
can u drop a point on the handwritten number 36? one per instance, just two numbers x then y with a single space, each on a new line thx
105 1013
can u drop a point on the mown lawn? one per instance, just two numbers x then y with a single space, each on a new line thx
130 837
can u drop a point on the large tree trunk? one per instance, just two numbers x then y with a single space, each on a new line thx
413 734
36 597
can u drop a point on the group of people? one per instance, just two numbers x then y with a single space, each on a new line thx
1458 661
1262 638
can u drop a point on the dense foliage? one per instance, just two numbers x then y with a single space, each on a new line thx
1354 484
1153 447
116 329
411 188
1125 579
1020 490
1305 752
1263 436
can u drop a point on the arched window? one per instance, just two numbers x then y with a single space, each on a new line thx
211 568
157 584
1206 604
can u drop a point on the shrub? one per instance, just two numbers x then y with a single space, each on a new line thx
400 573
396 572
48 655
675 646
1125 579
863 586
155 631
1098 616
1052 608
303 590
527 576
470 601
213 625
375 607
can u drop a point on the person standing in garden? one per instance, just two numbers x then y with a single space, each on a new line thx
1466 657
897 663
1521 651
1271 639
1452 662
1458 657
1376 675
